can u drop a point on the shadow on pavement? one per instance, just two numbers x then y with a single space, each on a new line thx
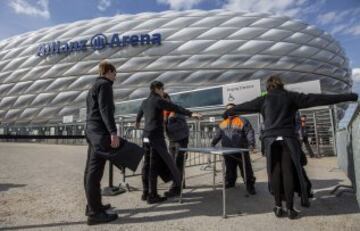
6 187
198 202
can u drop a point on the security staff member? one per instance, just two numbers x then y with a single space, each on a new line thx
177 132
101 135
152 109
282 148
237 132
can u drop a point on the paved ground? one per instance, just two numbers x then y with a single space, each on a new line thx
41 188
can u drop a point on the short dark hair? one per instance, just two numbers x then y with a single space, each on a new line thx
156 85
105 67
274 82
304 116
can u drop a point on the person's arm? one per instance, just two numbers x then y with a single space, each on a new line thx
107 107
252 106
139 117
250 134
217 137
169 106
313 100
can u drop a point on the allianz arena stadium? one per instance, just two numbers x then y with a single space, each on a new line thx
45 74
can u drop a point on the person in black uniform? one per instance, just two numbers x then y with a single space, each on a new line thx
237 132
304 137
177 132
157 159
282 148
101 135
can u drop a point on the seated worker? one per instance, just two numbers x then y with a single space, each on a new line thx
237 132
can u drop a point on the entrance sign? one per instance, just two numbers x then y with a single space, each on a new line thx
308 87
241 92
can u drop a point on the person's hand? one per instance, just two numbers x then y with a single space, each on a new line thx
115 141
137 125
196 115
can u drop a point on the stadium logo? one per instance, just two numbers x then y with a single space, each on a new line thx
98 42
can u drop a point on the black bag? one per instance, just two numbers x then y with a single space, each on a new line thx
128 155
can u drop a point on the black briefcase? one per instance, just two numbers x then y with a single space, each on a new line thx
128 155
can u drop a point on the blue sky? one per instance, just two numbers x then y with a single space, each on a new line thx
341 18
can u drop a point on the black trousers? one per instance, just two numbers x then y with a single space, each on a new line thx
150 169
179 156
282 174
305 141
232 162
94 171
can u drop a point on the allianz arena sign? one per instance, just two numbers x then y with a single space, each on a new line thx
98 42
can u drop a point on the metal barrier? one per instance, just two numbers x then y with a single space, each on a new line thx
348 154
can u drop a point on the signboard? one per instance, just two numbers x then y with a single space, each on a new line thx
241 92
212 119
98 42
68 119
305 87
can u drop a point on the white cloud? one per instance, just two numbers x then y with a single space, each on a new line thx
356 74
327 18
103 4
282 7
342 22
39 9
353 30
180 4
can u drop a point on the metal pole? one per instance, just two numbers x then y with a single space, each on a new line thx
244 167
214 171
182 180
333 129
224 189
316 134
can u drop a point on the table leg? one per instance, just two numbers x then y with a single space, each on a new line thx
244 167
224 189
182 181
214 171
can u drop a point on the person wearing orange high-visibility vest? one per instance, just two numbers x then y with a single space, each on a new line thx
237 132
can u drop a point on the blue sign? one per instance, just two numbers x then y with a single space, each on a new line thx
98 42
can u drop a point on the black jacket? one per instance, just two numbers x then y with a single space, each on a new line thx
232 135
177 128
279 107
100 107
152 108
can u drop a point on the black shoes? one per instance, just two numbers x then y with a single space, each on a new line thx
278 211
153 199
103 207
106 207
101 218
173 192
305 203
251 189
292 214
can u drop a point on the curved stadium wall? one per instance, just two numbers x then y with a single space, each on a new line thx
45 74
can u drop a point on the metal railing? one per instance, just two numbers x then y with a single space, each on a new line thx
348 154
